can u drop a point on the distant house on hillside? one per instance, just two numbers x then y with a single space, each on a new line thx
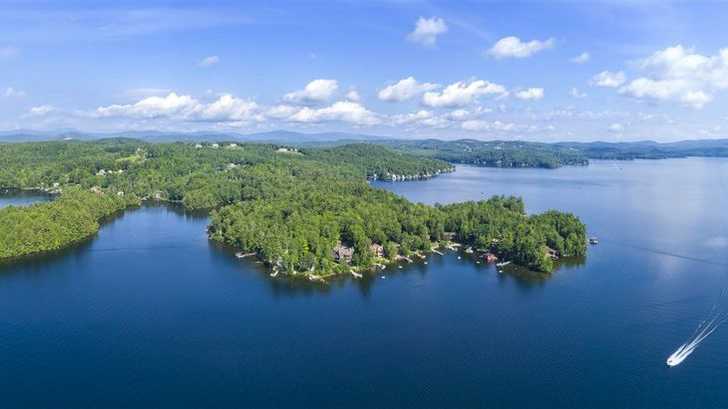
377 250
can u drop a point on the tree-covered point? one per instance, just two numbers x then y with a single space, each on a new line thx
198 175
300 211
501 225
377 161
500 154
298 232
74 216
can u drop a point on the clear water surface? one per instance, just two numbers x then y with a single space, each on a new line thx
149 313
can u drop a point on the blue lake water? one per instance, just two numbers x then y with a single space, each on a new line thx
21 198
149 313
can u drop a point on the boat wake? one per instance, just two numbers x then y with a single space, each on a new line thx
715 319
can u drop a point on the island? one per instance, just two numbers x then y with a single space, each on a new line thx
303 212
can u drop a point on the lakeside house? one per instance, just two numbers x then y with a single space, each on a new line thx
343 253
377 250
552 253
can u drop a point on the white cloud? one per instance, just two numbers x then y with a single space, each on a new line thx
227 108
410 118
465 114
609 79
353 95
344 111
11 92
657 89
576 93
679 74
234 111
462 93
530 94
581 58
315 91
281 111
616 128
696 99
209 61
152 107
405 89
41 110
513 47
480 125
427 30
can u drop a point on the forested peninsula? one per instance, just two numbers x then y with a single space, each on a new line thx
308 212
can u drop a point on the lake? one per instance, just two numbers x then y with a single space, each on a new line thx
14 197
149 313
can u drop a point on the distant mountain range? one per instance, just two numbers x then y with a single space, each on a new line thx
484 153
286 137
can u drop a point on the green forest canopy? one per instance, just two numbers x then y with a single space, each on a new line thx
291 208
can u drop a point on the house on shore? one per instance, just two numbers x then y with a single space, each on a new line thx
377 250
343 253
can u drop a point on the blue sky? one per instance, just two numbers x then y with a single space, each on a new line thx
627 70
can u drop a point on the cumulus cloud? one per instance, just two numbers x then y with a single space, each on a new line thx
680 74
466 114
315 91
11 92
234 111
344 111
209 61
513 47
41 110
281 111
616 128
695 99
609 79
581 58
353 95
410 118
152 107
427 30
405 89
462 93
481 125
530 94
227 108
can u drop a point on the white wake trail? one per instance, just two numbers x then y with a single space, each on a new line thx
701 333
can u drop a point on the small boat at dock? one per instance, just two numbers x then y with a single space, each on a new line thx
593 240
